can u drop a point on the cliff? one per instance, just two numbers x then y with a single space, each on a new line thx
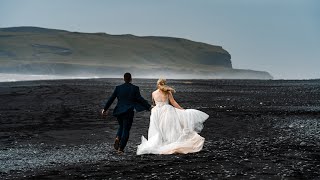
33 50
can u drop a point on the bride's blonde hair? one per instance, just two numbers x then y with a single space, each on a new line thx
162 85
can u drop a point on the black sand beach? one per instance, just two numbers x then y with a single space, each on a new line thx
257 129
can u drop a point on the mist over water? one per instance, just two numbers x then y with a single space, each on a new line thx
27 77
8 77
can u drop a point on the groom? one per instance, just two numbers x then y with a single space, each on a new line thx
129 98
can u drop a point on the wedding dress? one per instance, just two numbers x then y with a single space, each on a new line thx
173 130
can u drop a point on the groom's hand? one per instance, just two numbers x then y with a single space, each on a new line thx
152 106
104 112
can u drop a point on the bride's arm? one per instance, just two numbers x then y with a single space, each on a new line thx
153 103
173 102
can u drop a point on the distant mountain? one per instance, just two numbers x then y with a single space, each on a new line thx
33 50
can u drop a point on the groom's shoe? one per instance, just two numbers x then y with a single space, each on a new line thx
116 144
120 151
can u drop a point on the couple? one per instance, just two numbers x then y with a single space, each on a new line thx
172 129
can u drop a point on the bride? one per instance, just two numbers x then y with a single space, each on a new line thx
172 129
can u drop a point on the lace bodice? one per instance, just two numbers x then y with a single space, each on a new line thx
160 99
161 103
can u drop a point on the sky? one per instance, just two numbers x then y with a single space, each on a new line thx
281 37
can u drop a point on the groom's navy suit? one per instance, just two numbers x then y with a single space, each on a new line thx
129 98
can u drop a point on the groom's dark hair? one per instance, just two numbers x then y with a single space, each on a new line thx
127 77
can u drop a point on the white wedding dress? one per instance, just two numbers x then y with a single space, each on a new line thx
173 130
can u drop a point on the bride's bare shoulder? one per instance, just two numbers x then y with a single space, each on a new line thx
155 92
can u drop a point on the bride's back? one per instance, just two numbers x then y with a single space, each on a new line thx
160 96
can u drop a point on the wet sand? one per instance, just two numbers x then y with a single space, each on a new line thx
257 129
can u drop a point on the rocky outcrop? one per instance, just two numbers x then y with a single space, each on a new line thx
35 50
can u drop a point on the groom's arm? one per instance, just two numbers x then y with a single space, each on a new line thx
111 99
141 100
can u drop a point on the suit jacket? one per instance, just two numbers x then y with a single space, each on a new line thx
129 98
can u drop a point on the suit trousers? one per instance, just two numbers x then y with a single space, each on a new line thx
125 122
